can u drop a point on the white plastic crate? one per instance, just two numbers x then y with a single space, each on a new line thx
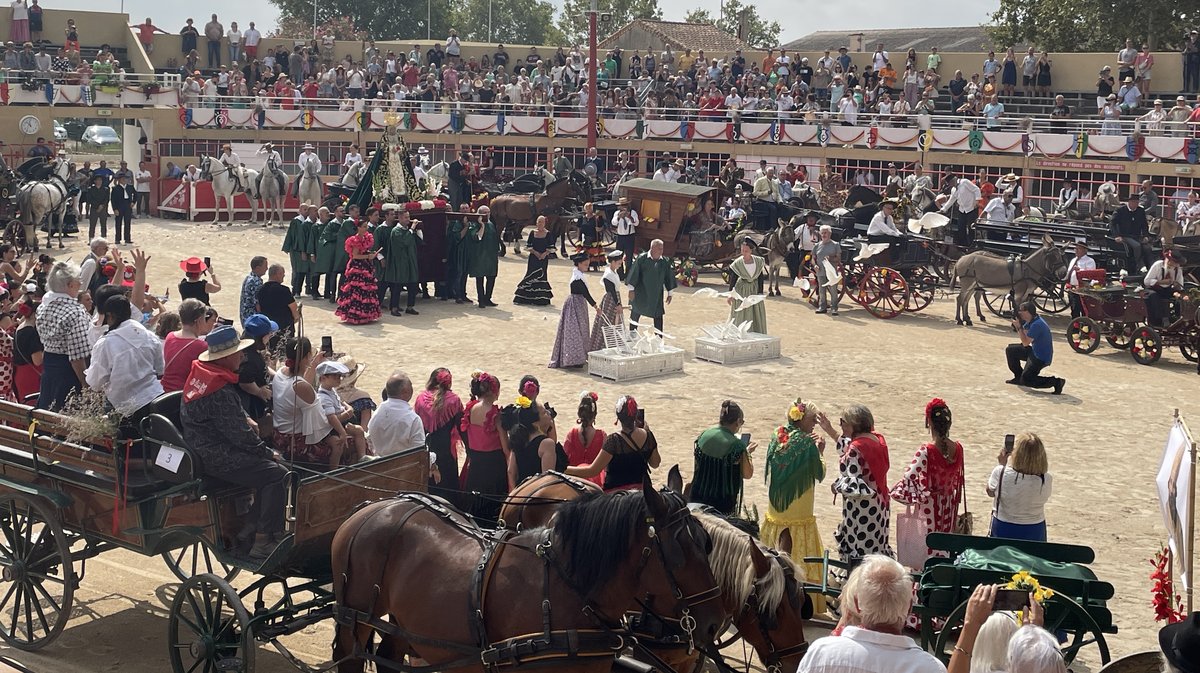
612 364
753 347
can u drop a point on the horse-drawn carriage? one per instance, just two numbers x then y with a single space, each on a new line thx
884 281
669 211
1119 315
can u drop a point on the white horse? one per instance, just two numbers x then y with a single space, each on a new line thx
354 175
224 187
38 200
272 187
310 185
437 176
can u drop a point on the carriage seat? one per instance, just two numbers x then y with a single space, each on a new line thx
158 431
137 487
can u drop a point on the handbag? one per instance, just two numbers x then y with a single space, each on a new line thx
964 523
996 503
911 529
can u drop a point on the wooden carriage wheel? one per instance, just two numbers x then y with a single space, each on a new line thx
882 291
607 238
209 628
1189 343
38 583
1051 297
1121 334
1146 345
195 558
922 284
999 304
1083 335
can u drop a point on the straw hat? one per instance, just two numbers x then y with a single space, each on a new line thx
355 369
223 342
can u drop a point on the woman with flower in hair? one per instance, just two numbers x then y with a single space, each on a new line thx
723 462
441 413
794 466
485 477
583 443
358 297
627 455
933 481
533 451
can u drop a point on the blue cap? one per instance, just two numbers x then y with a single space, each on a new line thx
258 325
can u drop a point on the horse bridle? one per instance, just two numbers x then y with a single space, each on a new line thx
775 655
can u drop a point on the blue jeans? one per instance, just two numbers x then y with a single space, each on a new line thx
58 380
235 52
214 54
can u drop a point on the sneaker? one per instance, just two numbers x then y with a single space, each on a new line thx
821 310
411 312
833 312
1058 386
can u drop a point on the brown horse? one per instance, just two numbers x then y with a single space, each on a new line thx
533 502
511 212
761 589
434 586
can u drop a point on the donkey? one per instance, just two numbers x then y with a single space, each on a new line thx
1019 275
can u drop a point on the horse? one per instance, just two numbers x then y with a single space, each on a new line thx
776 244
310 189
1020 276
224 186
761 589
1106 201
38 200
272 188
435 586
512 212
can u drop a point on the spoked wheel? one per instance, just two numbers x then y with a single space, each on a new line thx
882 292
607 240
1189 344
1120 335
209 628
1083 335
999 304
195 558
1051 297
1063 615
922 284
1146 345
38 581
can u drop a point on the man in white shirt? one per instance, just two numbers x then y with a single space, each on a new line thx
1187 214
733 103
1000 210
625 222
1163 281
966 210
766 196
126 363
97 249
1130 95
883 226
882 596
1011 183
307 156
141 186
352 157
1082 261
250 39
1068 197
395 427
880 58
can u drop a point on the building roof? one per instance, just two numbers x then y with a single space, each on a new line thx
680 35
666 187
962 38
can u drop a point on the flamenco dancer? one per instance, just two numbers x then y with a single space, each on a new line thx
571 343
358 296
534 289
485 478
610 310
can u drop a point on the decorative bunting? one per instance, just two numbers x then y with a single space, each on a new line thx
457 121
872 137
4 92
1081 145
639 128
49 89
1027 144
1191 147
261 118
306 119
975 140
823 135
501 123
222 118
925 141
733 130
776 131
599 126
85 94
1135 145
684 131
185 117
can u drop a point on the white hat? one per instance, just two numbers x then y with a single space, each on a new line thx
390 206
422 150
308 146
332 367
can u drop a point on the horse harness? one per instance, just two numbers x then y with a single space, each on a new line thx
547 648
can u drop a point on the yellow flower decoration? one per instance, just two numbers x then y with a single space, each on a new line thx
796 413
524 402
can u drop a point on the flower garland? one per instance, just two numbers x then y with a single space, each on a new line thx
1168 605
686 272
796 412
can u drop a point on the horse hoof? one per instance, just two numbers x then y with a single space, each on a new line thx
969 323
983 318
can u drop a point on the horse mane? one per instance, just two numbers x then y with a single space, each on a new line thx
595 533
733 569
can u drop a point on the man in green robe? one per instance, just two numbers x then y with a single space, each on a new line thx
295 243
400 263
483 256
314 227
649 277
348 224
456 261
326 231
381 233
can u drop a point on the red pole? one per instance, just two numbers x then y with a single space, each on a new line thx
593 90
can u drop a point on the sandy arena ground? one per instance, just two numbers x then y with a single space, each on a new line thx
1104 435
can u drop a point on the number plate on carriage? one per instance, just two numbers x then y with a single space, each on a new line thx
169 458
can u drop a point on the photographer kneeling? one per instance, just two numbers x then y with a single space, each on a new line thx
1027 359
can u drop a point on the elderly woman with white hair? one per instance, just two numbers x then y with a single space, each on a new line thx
862 483
880 595
62 324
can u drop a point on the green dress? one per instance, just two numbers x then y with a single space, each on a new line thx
746 285
295 245
327 235
483 252
717 478
400 264
340 256
650 278
792 469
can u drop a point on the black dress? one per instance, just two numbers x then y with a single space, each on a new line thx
438 443
629 463
194 289
529 462
534 289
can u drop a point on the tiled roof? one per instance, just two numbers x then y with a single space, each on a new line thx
962 38
679 35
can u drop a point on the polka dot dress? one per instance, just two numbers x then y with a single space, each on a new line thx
865 512
934 486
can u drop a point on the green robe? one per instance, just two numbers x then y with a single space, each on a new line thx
400 264
381 234
326 235
294 244
340 256
746 285
649 279
483 253
717 476
312 241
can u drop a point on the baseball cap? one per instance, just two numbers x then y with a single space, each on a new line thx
257 325
332 367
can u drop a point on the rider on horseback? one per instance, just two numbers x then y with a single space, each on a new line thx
273 165
233 163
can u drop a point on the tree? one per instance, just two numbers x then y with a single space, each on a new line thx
382 19
341 28
511 22
1089 25
757 33
574 24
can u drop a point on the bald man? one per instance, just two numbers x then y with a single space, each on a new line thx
395 427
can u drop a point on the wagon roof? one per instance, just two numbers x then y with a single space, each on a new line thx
666 187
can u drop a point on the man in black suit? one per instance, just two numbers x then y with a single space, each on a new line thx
123 197
459 177
1128 227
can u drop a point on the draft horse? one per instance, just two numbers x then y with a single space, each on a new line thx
431 584
512 212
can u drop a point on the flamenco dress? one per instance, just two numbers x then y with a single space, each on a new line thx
358 296
794 466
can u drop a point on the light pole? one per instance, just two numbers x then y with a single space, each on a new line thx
489 20
429 20
593 90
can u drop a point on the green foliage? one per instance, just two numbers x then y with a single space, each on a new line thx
512 22
296 27
759 32
574 25
1089 25
383 19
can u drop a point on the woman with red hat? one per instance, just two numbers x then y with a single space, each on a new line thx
193 285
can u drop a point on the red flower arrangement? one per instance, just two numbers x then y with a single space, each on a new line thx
782 433
1168 605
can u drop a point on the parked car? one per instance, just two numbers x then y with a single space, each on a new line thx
100 136
60 131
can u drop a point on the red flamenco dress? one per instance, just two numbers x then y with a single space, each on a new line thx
358 302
